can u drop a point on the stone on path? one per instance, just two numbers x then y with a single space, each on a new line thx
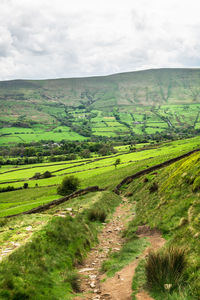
86 270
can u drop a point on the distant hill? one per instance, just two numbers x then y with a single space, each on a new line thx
24 103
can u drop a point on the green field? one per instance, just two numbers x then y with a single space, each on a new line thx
91 172
51 246
149 117
140 120
144 103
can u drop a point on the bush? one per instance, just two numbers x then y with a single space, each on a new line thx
47 174
25 185
153 188
164 270
37 176
9 188
69 185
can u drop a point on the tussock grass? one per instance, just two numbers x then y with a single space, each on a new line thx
165 270
96 214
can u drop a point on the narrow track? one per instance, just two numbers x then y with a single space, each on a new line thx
93 286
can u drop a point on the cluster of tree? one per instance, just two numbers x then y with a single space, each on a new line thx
38 175
69 185
21 161
39 150
54 158
11 188
83 127
31 153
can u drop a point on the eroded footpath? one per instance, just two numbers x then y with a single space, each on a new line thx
94 285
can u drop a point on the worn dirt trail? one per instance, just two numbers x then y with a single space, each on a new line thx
119 286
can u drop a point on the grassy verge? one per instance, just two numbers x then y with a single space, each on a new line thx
139 278
44 267
128 253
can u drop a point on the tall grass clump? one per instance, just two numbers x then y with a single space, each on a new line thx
165 270
101 210
95 214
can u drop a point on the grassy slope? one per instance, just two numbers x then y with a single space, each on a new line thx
136 92
22 200
44 267
175 210
159 86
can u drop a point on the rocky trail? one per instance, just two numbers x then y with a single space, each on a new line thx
93 286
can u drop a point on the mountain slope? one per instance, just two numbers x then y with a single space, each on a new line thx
169 98
144 87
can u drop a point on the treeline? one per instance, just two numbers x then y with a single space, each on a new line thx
52 152
11 188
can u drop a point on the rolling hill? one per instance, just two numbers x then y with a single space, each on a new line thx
136 103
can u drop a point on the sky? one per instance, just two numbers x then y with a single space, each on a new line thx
42 39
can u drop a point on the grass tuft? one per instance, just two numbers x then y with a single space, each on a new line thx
165 270
95 214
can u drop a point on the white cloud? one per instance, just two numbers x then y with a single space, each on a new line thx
64 38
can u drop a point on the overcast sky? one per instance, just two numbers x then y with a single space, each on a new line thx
75 38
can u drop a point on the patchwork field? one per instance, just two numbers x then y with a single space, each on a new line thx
162 102
140 120
91 172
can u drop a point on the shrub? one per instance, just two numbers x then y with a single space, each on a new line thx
68 185
37 176
164 270
25 185
3 222
47 174
117 162
9 188
153 188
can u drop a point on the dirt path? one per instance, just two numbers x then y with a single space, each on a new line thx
119 286
109 240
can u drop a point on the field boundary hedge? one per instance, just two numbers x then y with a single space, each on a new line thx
48 205
166 163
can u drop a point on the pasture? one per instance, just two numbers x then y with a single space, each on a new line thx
91 172
139 120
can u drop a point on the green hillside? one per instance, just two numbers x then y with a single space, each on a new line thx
40 253
150 102
173 207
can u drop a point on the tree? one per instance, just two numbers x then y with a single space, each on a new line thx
37 175
85 153
117 162
68 185
47 174
25 185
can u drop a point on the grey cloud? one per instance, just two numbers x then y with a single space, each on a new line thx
47 39
139 20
